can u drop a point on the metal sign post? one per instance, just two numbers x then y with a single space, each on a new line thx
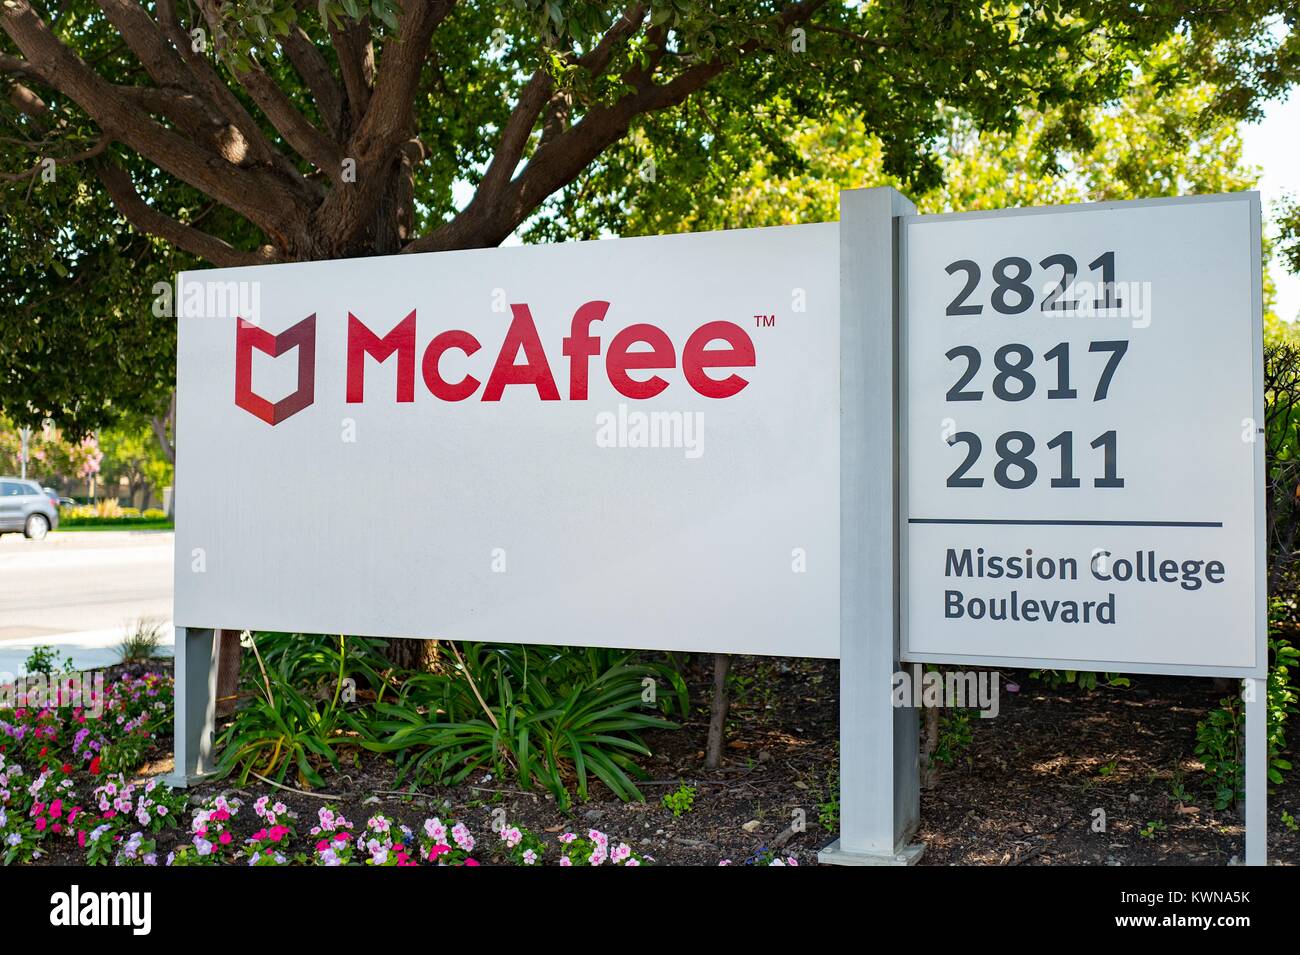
879 778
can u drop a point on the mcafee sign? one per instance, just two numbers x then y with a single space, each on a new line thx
625 443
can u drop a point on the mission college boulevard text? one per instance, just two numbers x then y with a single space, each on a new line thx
1123 570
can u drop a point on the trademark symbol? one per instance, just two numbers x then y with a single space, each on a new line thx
765 321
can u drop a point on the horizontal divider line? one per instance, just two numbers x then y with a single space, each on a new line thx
1062 523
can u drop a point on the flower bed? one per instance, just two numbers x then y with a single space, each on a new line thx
67 792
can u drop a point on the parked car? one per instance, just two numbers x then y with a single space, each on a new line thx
58 499
24 506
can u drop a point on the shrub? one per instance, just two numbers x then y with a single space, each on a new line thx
142 642
284 726
681 800
45 660
1219 736
549 716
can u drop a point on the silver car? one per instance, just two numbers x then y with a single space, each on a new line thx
24 506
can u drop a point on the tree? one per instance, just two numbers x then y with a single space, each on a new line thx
53 459
131 451
246 133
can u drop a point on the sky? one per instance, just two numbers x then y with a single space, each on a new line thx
1273 145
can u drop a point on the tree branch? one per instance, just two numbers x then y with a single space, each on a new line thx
150 221
146 41
356 56
304 138
491 216
259 195
103 143
350 209
315 72
219 94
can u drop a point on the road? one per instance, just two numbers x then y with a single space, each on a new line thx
79 582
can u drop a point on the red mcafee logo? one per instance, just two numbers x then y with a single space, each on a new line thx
301 336
640 348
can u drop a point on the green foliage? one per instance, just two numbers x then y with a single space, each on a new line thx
142 642
954 735
546 715
1219 739
681 800
45 660
51 453
285 726
131 451
828 804
1152 829
1085 679
1218 747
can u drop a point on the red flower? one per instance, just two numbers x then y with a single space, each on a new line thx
94 766
44 750
67 769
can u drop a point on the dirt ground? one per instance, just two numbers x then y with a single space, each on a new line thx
1026 790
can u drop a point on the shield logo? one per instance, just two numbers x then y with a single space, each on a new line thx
248 337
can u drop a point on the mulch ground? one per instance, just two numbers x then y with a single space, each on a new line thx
1025 791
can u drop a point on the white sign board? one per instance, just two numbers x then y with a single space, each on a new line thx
1083 463
628 443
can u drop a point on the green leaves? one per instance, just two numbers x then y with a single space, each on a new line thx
554 718
298 717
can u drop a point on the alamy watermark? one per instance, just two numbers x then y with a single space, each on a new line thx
208 298
950 689
651 429
54 691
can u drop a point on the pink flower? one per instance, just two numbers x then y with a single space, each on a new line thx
470 862
565 861
224 838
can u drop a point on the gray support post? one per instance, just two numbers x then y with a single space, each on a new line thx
879 780
196 704
1256 693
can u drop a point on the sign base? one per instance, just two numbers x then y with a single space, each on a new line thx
909 854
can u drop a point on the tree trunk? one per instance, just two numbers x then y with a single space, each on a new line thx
718 711
229 653
416 655
161 425
929 743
